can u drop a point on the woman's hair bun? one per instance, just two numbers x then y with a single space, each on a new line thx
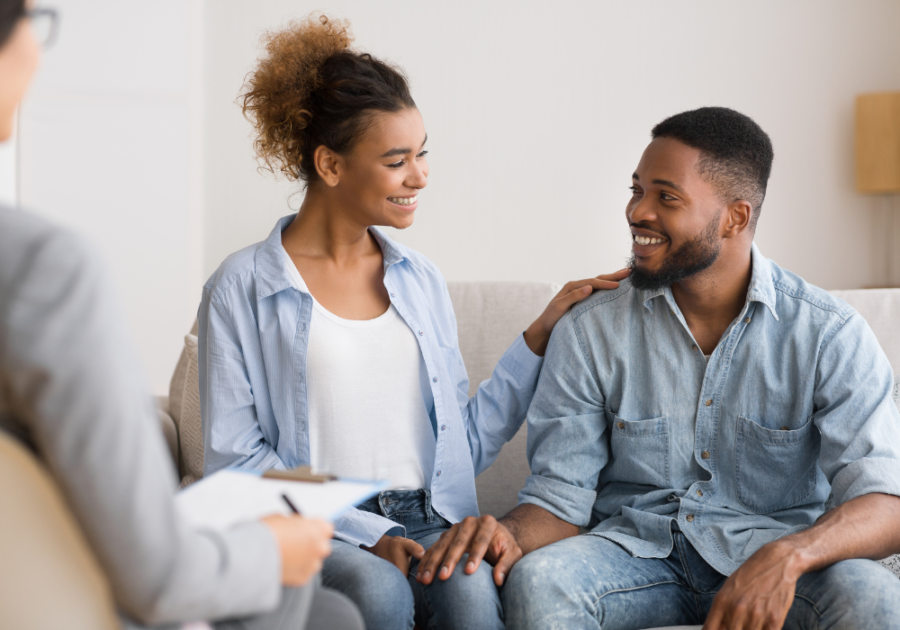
309 89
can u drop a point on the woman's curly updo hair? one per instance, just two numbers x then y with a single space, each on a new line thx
310 89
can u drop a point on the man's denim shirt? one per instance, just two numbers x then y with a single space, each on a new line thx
631 428
253 339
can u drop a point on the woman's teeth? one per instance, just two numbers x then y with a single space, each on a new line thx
403 201
645 240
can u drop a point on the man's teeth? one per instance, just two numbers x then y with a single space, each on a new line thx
645 240
403 201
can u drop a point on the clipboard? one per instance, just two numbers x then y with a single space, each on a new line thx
230 497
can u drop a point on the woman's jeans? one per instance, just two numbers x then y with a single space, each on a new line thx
389 599
590 582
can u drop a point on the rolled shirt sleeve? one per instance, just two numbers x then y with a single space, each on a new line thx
855 414
566 426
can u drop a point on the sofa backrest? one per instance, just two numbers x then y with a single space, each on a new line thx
490 315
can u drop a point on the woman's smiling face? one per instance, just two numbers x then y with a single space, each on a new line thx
380 179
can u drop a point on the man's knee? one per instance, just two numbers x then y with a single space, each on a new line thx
539 576
848 594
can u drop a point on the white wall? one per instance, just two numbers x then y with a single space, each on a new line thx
110 145
537 114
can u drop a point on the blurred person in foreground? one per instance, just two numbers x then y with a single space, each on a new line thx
71 390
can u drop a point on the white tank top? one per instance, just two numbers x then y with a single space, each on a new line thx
367 415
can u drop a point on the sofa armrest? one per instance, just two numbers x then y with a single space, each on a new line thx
169 429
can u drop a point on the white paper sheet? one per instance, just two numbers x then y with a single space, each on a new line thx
229 497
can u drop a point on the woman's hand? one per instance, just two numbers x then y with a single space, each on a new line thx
538 334
397 550
304 545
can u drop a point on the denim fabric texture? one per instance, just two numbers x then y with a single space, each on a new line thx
631 428
389 600
252 345
590 582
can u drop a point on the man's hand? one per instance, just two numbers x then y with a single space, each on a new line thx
760 593
397 550
538 334
481 537
304 545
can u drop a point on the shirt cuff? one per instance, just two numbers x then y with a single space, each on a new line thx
520 362
563 500
359 527
866 476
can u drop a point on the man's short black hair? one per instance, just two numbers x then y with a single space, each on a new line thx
736 154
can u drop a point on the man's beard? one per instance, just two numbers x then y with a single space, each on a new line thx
691 258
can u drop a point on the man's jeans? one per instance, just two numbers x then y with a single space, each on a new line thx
590 582
388 599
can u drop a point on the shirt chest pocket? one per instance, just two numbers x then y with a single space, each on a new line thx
639 451
775 469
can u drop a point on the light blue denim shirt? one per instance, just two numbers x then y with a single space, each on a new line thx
631 428
253 338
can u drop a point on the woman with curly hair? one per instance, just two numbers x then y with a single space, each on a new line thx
329 344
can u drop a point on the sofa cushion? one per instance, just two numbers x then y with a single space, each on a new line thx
187 416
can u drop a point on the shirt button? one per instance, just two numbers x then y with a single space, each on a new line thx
443 427
746 320
784 428
705 454
699 493
689 518
421 333
434 379
621 425
392 295
694 346
439 473
708 403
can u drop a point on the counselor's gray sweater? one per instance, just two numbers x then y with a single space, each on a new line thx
70 386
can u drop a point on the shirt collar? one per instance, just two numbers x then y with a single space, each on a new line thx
762 287
272 271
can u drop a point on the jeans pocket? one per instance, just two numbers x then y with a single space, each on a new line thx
775 469
640 451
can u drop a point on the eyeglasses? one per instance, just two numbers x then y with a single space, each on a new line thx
44 24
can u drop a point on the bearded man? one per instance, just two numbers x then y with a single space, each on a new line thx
696 420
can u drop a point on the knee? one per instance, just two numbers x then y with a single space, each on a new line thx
381 592
534 579
854 594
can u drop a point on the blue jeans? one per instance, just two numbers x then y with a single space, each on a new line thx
590 582
390 600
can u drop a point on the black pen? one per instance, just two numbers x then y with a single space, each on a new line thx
290 504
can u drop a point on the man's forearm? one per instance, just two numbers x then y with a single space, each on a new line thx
534 527
864 527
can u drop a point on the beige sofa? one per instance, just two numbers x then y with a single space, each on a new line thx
489 315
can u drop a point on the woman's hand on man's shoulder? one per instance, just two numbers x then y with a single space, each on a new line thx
538 334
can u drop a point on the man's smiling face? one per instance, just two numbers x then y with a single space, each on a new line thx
674 216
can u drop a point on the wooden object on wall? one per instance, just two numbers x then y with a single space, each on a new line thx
878 142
